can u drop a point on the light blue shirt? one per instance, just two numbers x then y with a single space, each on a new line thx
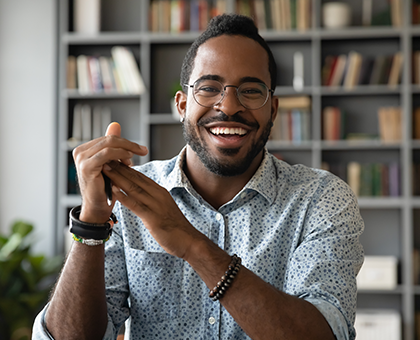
295 227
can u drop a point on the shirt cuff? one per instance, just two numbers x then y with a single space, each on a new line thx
333 316
40 331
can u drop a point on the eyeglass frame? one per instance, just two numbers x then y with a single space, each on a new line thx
237 95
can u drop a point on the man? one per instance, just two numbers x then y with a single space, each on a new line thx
180 221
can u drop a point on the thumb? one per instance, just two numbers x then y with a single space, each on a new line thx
113 129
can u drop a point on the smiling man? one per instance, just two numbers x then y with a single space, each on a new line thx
223 241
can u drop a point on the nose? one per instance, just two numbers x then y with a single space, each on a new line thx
230 103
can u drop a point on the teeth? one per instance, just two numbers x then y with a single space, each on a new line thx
227 131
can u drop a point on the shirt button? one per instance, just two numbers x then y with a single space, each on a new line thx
218 216
212 320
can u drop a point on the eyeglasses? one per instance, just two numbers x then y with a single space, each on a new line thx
251 95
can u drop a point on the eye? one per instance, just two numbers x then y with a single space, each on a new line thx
207 88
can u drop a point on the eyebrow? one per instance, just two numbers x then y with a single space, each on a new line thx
219 78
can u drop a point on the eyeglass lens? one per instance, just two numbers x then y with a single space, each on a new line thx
251 95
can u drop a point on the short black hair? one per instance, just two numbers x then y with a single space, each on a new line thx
229 24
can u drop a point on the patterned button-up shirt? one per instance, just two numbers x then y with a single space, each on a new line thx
295 227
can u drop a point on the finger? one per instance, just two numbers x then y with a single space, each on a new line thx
113 129
132 176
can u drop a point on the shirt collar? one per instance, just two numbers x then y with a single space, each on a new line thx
264 181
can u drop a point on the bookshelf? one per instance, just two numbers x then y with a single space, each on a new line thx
392 222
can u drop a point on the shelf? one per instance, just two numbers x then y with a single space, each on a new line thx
75 94
103 38
400 289
381 202
360 145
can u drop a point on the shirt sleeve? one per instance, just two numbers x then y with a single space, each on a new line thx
40 331
324 266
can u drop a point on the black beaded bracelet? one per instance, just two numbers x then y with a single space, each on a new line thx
222 286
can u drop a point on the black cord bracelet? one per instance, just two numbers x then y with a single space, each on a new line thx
222 286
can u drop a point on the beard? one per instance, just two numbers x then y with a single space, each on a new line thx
217 166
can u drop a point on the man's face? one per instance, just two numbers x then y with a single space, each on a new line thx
228 138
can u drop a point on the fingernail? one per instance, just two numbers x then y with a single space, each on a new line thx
107 167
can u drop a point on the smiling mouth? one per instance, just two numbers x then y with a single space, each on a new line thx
226 131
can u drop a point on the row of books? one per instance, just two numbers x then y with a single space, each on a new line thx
293 120
92 74
354 69
88 123
183 15
193 15
368 179
279 15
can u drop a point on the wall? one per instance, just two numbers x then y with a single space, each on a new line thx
27 119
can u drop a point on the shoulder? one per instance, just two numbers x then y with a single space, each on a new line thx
311 179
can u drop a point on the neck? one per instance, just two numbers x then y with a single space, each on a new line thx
216 190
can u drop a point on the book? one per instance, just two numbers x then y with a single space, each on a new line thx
352 76
396 13
366 12
389 119
76 131
378 66
96 122
385 179
259 7
385 70
108 82
329 123
303 15
353 177
95 74
366 179
86 114
416 67
330 69
294 102
365 70
416 125
83 81
71 70
394 179
338 71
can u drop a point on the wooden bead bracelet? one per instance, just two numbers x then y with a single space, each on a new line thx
222 286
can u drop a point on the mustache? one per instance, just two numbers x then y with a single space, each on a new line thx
222 117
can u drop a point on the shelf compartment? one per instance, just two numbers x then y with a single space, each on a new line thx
166 61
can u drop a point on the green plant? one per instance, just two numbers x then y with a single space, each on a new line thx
25 282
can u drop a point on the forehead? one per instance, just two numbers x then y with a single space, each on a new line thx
231 58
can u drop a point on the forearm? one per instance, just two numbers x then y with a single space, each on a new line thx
78 308
261 310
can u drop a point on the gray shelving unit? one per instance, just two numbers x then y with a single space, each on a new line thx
392 224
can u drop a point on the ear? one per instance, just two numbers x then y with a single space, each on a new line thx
181 103
274 107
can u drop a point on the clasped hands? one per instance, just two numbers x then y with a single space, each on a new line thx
111 155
